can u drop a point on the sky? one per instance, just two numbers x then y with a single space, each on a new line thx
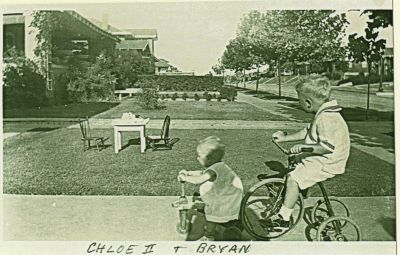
192 35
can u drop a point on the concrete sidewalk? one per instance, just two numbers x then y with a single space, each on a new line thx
73 218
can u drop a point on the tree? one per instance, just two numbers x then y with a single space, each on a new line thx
127 65
299 36
366 49
247 28
219 69
379 19
236 56
46 22
96 84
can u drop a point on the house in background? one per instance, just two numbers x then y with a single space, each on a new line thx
140 46
141 41
75 36
163 67
149 35
130 39
387 63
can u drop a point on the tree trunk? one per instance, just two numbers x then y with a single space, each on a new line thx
279 78
380 89
369 84
244 78
223 77
257 79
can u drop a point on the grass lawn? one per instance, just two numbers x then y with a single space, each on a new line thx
373 134
53 163
60 111
194 110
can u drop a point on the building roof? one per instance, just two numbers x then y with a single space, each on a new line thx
161 64
143 33
132 45
92 25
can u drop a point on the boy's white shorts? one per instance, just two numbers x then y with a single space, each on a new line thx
308 172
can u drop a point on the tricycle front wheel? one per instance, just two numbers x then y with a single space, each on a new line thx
338 228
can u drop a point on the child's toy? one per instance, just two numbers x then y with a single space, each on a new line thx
183 205
266 197
230 231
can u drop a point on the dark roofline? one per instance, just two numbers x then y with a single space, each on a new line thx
92 26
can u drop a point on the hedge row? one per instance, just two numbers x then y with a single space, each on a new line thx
197 96
180 83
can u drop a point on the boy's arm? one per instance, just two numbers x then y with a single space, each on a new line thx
195 179
193 173
281 136
317 149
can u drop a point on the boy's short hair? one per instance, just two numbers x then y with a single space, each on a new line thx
213 148
315 86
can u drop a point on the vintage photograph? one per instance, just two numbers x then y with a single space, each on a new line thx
197 121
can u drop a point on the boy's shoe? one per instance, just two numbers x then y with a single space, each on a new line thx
277 223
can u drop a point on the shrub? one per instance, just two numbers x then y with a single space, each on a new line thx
180 83
196 97
126 67
96 84
228 93
184 96
148 99
219 98
207 96
23 85
162 96
174 96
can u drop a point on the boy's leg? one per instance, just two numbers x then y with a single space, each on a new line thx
291 197
209 231
282 219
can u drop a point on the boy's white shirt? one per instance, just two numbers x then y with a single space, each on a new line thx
222 196
330 130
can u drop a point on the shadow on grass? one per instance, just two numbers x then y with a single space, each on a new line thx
389 225
164 146
42 129
348 113
391 133
278 169
359 114
371 142
135 141
267 96
75 110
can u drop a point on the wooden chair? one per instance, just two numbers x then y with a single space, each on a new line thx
164 138
87 137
